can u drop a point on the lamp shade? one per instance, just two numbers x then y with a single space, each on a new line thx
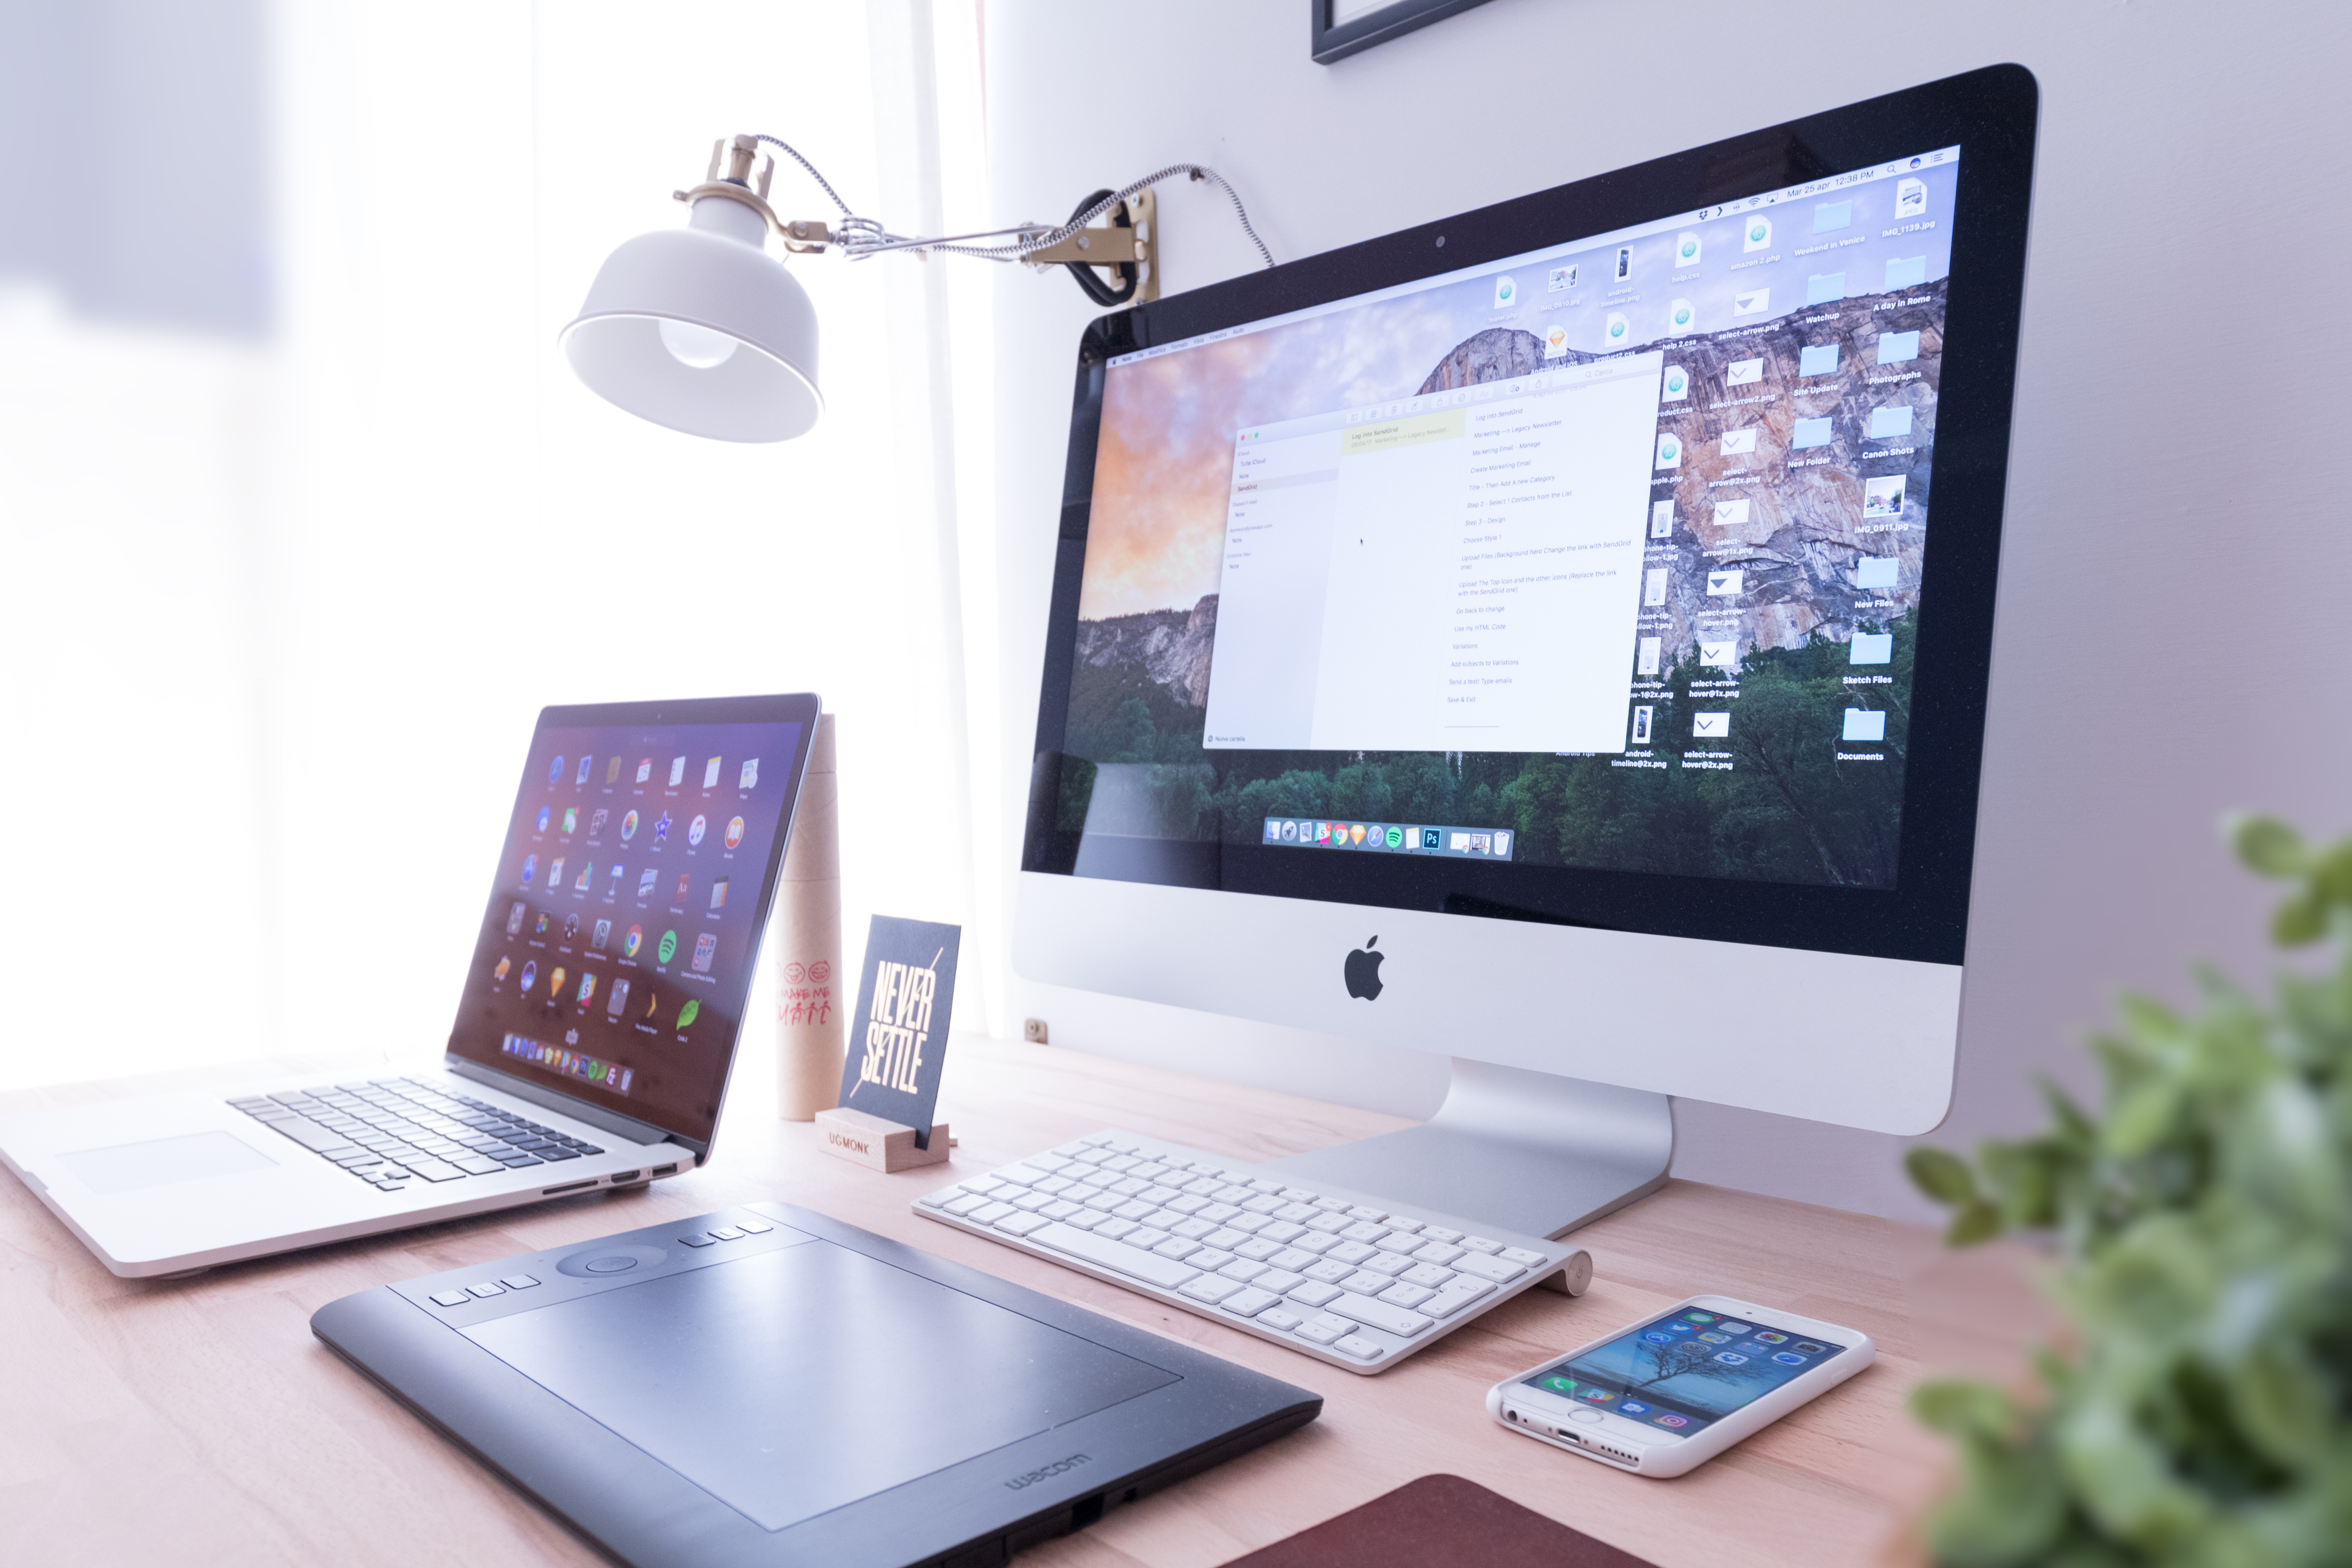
700 330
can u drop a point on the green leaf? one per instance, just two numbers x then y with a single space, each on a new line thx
2299 921
2268 847
1980 1221
2332 880
1962 1409
1941 1174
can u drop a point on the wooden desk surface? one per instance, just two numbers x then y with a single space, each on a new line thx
199 1422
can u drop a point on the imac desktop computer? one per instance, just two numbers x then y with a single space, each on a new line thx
1556 636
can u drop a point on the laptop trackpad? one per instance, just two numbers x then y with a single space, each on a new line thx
127 1167
789 1383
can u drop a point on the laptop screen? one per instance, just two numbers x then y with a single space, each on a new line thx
616 954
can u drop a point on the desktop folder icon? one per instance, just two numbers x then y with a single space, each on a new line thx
1810 433
1875 572
1865 724
1872 648
1824 288
1893 348
1909 272
1886 423
1818 359
1833 215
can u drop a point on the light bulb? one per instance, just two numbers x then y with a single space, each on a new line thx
696 346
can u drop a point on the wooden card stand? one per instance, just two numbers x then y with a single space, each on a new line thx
876 1144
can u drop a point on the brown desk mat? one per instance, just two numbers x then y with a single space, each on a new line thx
1439 1519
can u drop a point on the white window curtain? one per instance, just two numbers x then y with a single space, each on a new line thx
282 601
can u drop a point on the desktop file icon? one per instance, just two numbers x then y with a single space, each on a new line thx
711 774
677 772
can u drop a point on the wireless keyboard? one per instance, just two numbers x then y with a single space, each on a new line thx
1345 1276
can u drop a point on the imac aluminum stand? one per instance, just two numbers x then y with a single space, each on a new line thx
1528 1150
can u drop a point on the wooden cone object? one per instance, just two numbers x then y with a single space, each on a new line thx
811 1007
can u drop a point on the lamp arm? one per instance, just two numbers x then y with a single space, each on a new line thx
859 237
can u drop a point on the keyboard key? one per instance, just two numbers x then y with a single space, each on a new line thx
1177 1246
1480 1243
1211 1260
1398 1222
1315 1242
991 1212
1493 1268
1219 1213
1350 1253
1406 1296
1364 1231
1061 1209
1264 1204
1193 1229
1103 1202
1033 1201
1330 1224
1362 1213
1282 1230
1314 1293
1249 1303
1252 1247
1208 1288
1256 1224
1291 1258
436 1170
1116 1256
518 1282
1204 1188
1156 1196
475 1165
1281 1281
970 1203
1397 1241
450 1298
1146 1237
1049 1164
1521 1255
1114 1229
1452 1298
1240 1269
1056 1185
556 1153
1428 1276
1333 1205
1380 1315
1134 1208
1086 1219
1329 1271
1294 1212
1021 1224
517 1162
1438 1252
1361 1348
1275 1317
1364 1279
1323 1328
981 1183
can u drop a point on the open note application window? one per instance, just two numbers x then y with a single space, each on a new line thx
1459 573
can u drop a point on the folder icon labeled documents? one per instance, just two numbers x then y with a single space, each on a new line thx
1816 358
1865 724
1732 513
1811 433
1824 288
1889 422
1832 216
1875 572
1751 302
1726 586
1893 348
1906 272
1872 648
1718 654
1735 442
1710 726
1743 372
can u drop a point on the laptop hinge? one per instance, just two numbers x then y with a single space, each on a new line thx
596 1116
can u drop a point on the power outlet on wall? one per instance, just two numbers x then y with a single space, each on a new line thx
1034 1031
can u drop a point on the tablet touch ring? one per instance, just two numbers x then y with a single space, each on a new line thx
601 1260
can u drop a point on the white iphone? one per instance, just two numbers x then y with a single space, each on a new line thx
1673 1392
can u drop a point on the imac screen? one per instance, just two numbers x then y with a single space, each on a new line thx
1607 555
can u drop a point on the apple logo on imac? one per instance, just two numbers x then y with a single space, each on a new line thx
1363 971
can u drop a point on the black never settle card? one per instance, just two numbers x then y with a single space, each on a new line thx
898 1036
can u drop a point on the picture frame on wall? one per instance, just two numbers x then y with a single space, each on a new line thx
1338 29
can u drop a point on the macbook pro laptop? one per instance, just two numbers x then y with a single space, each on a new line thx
596 1023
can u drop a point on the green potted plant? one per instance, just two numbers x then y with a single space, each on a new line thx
2199 1408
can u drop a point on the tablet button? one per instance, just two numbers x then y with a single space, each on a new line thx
486 1290
688 1240
612 1265
518 1282
450 1298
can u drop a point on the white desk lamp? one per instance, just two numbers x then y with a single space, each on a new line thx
702 330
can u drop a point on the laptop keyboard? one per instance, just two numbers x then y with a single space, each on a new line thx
1337 1275
394 1131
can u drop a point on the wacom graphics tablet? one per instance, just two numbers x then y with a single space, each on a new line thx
765 1385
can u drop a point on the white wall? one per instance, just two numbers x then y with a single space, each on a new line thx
2166 592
